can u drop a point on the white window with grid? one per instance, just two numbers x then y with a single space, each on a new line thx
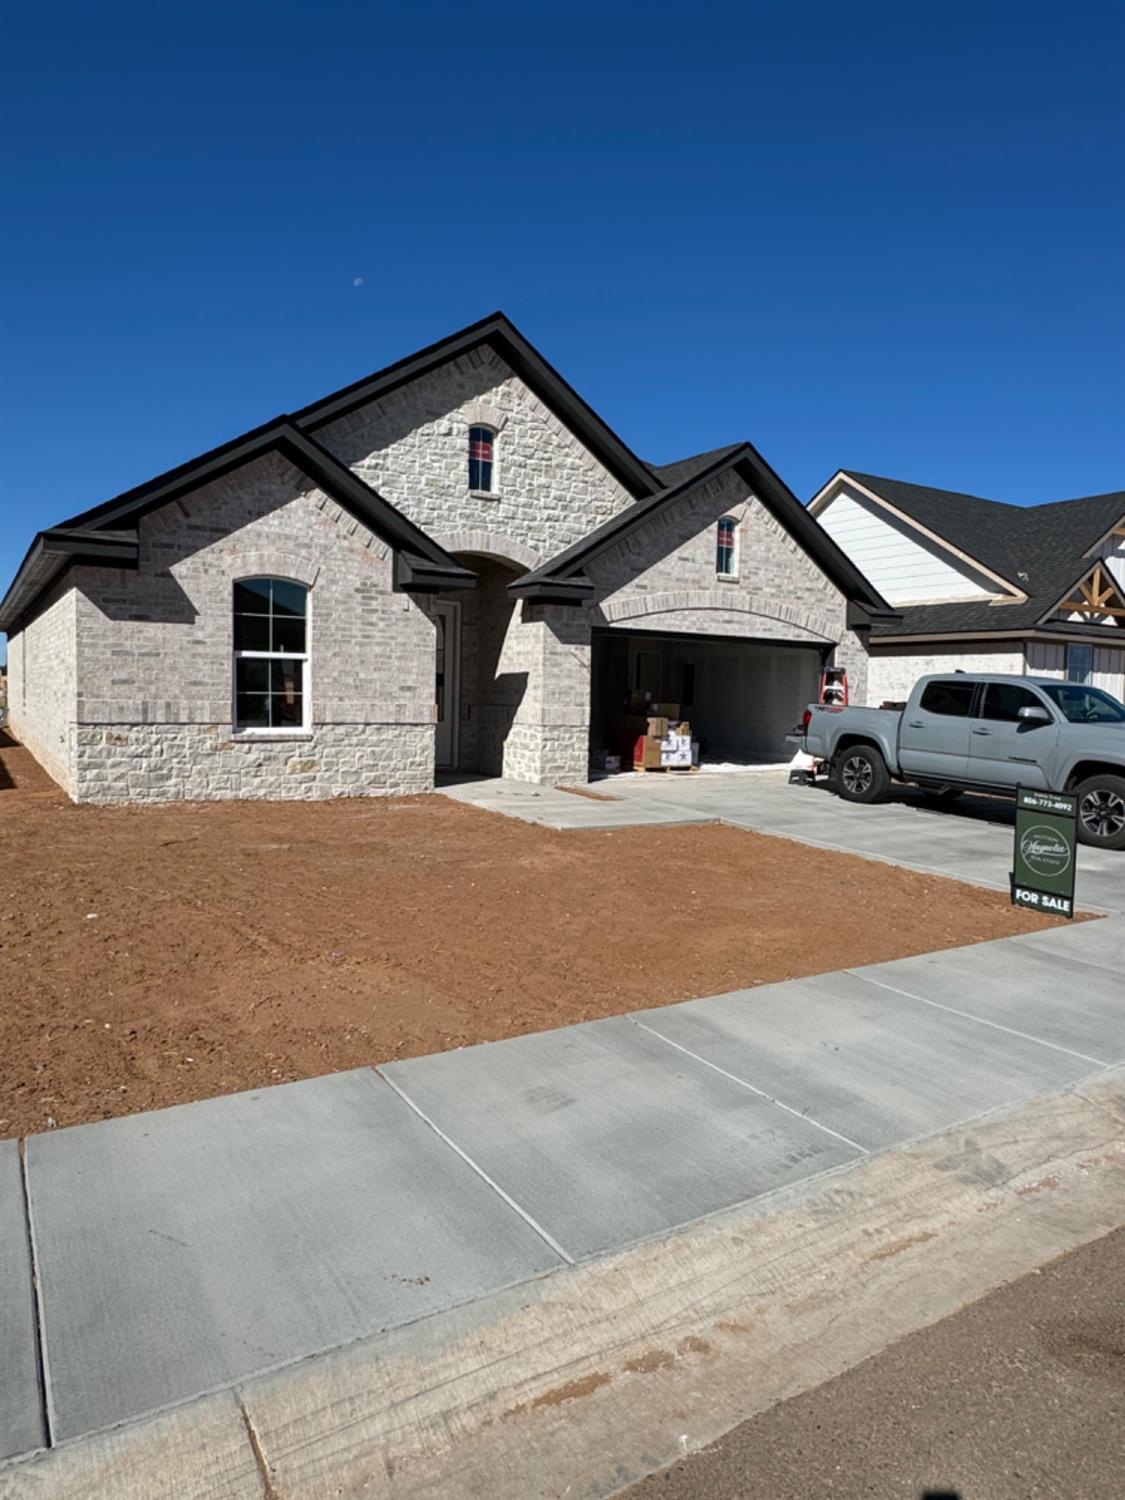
271 658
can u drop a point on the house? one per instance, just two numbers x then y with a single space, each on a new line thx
452 564
982 585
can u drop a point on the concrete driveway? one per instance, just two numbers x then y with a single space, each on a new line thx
970 841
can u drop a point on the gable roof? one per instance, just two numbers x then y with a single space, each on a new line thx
1042 550
500 334
54 549
561 579
682 469
420 563
107 535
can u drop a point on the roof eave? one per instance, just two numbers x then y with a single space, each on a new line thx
577 589
762 482
418 575
49 556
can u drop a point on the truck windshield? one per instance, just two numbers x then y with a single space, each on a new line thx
1085 705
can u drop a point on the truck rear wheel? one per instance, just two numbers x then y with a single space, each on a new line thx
1101 812
860 774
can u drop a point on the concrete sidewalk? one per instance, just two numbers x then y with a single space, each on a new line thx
152 1259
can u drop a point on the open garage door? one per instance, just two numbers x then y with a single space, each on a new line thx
741 696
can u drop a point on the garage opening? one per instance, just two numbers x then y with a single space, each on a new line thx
741 696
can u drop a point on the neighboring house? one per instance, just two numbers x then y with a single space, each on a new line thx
981 585
454 564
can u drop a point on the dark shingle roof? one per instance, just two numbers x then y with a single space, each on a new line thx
673 474
1040 549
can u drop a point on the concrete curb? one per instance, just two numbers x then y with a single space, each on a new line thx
590 1378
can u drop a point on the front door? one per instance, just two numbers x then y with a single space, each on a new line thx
447 694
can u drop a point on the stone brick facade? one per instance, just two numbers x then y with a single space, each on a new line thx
663 578
411 446
197 762
42 678
122 682
150 695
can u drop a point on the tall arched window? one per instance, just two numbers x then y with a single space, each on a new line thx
725 564
482 459
271 657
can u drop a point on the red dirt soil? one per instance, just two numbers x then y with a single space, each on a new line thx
150 956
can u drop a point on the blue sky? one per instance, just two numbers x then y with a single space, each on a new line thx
890 237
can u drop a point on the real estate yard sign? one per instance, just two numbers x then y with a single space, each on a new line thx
1045 853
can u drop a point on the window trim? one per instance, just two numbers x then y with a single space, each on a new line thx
1086 681
732 575
303 731
493 492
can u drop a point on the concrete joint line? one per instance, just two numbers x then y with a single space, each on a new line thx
543 1234
269 1489
1096 1104
45 1402
1098 1062
734 1078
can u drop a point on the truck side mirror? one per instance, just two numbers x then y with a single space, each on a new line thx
1033 714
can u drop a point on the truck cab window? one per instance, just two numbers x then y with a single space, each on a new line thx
1085 705
1003 701
953 699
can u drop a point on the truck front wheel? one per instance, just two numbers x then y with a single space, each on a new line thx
861 774
1101 811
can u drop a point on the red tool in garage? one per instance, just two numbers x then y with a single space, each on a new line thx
834 686
833 692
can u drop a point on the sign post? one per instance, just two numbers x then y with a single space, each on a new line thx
1046 849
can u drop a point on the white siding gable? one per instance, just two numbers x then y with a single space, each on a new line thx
902 564
1112 553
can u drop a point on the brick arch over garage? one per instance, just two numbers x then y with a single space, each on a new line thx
491 544
637 608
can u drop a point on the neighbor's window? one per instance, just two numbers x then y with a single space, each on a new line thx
1079 663
724 547
952 699
271 658
482 446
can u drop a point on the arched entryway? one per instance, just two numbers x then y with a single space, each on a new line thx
481 680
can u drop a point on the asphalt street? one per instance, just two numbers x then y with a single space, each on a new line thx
1020 1396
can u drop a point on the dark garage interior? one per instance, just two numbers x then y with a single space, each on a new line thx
740 696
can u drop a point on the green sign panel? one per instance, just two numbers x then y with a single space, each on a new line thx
1045 851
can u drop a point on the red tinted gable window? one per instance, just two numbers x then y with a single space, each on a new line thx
481 441
724 548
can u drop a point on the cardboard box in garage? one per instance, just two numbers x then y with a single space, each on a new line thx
669 752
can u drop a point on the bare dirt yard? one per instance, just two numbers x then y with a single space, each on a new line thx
150 956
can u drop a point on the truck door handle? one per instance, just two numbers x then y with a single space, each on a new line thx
982 731
915 724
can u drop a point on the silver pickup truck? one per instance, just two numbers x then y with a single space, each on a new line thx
962 732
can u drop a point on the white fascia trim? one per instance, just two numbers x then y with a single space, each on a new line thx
1018 595
1105 536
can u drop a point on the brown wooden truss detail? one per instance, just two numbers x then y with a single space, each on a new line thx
1097 594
